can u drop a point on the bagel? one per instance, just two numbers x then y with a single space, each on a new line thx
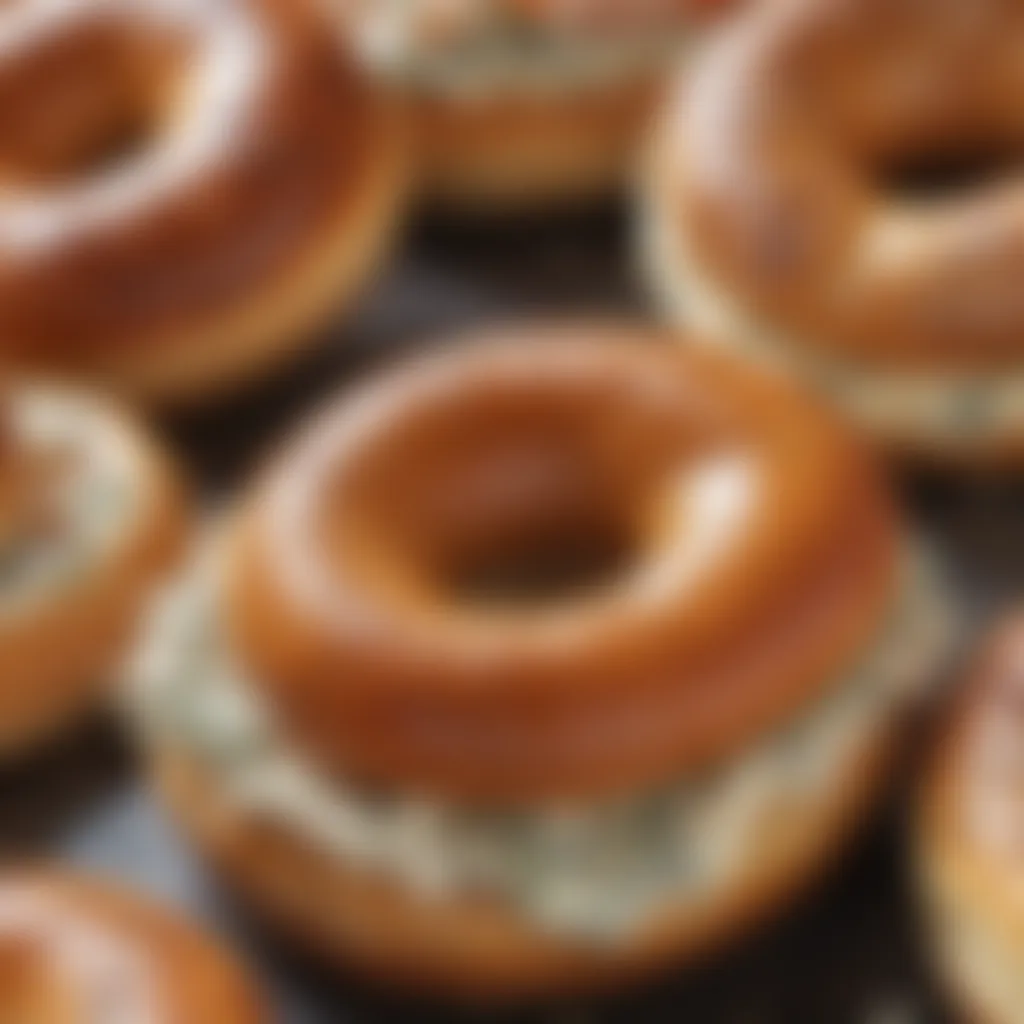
181 206
91 515
429 763
776 217
969 837
73 949
521 105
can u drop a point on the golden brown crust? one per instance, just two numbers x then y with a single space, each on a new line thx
771 169
145 959
295 208
379 670
467 951
957 423
280 319
46 685
506 153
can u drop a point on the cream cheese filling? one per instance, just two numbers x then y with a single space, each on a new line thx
958 409
593 872
492 50
96 496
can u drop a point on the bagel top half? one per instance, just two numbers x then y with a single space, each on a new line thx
184 185
747 544
805 201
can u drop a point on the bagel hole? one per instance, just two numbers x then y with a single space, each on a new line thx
545 563
944 173
520 501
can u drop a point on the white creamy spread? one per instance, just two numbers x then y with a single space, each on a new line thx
594 872
960 409
485 46
93 497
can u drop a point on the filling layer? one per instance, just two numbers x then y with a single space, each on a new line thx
490 46
86 500
594 872
957 409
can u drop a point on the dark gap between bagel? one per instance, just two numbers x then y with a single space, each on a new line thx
948 172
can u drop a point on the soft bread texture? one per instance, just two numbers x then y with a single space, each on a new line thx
70 945
744 503
255 212
969 835
785 226
46 685
468 950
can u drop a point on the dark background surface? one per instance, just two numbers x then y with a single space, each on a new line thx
846 954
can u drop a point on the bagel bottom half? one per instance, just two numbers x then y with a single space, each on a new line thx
505 153
305 849
478 953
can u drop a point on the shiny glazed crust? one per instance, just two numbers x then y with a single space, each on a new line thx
237 262
471 952
284 317
378 671
970 878
898 410
176 975
770 168
46 685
